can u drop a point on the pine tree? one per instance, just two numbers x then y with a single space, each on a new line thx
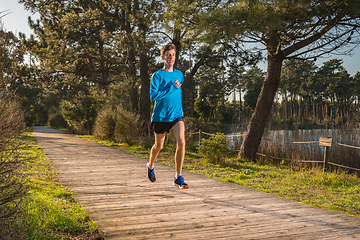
288 29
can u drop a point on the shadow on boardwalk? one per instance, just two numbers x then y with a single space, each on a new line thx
113 186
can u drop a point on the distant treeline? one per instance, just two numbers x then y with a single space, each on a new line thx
308 94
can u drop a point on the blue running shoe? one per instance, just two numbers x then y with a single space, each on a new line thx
179 181
151 173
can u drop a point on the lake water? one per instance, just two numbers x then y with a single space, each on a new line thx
303 145
350 136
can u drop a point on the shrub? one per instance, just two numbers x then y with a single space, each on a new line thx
128 126
104 127
215 149
12 187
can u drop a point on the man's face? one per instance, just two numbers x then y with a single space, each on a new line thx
169 57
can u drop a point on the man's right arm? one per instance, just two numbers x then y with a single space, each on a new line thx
155 93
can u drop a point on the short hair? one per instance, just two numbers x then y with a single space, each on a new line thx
166 48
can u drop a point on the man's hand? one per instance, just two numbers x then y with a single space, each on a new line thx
177 84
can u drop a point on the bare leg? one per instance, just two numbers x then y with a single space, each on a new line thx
179 132
159 143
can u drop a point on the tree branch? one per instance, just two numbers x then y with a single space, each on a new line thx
313 38
115 15
196 67
326 43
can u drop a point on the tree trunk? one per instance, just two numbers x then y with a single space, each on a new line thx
133 85
327 111
104 82
177 43
331 112
145 88
259 118
240 105
300 110
39 112
314 114
292 106
285 107
144 78
88 127
234 103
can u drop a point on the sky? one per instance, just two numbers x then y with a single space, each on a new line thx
17 21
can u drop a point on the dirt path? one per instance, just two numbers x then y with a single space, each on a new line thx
113 186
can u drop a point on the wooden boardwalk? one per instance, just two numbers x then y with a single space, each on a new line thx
113 186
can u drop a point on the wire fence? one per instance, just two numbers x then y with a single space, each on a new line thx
325 161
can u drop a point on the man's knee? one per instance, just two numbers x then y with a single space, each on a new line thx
181 143
157 147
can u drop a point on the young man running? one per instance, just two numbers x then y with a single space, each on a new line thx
165 91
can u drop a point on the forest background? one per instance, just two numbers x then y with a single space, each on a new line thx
88 59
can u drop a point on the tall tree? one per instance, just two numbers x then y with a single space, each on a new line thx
329 74
287 29
75 46
295 74
253 79
8 43
72 38
123 13
236 84
180 25
308 89
18 76
211 92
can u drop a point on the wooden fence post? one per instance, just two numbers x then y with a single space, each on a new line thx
326 154
327 143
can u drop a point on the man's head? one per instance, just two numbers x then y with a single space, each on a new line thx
168 54
166 48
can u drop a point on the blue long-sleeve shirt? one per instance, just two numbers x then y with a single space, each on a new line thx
167 97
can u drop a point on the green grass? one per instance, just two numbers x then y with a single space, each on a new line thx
49 211
334 191
337 191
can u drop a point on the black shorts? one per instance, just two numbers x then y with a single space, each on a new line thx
162 127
